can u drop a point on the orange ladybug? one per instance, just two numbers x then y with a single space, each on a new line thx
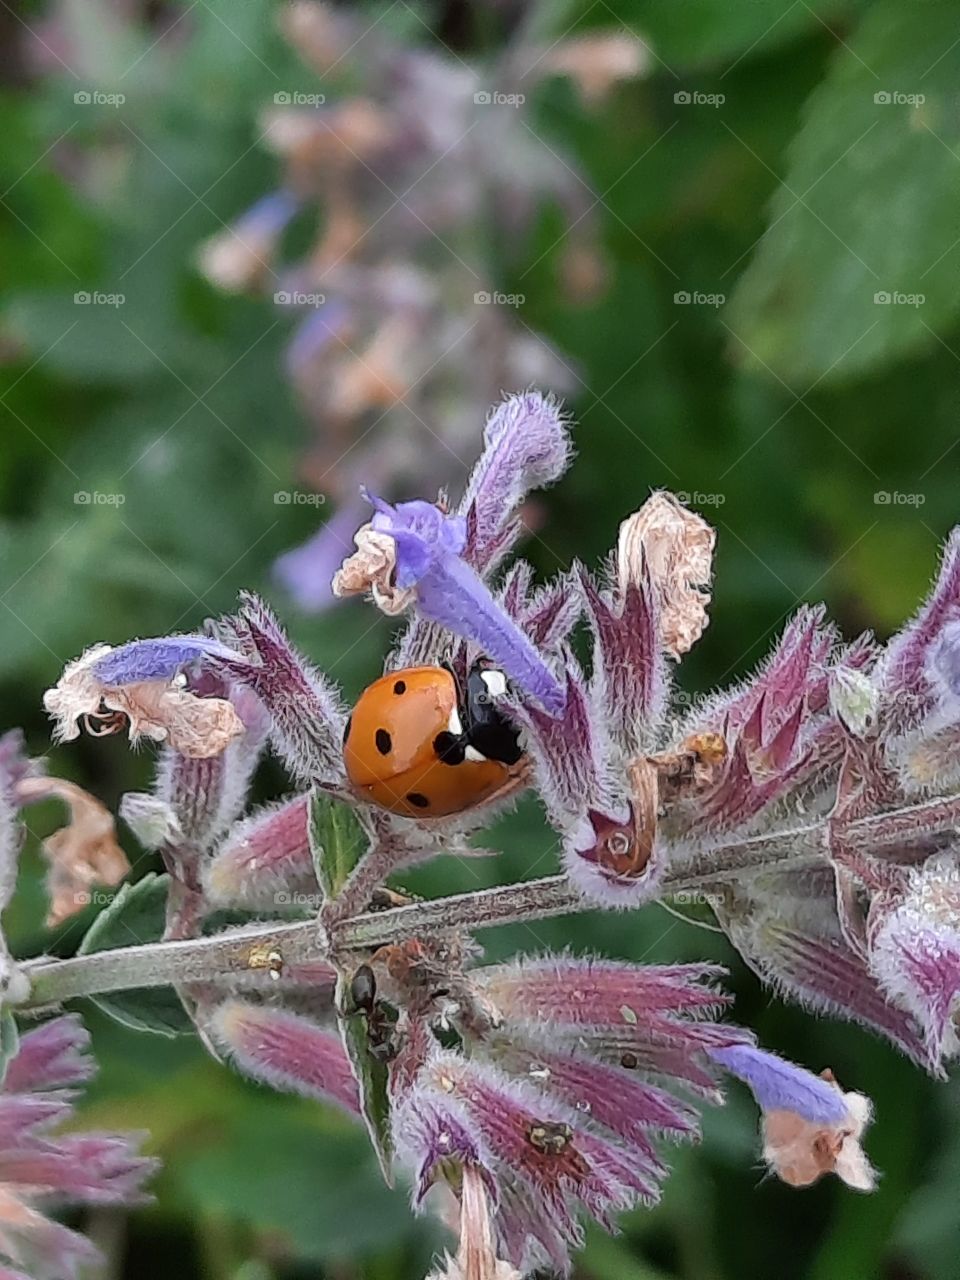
418 745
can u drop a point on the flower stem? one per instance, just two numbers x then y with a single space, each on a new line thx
225 955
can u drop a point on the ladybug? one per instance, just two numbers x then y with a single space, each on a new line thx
419 745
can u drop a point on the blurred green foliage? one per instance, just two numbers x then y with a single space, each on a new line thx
783 413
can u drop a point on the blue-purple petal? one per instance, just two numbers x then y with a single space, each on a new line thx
156 659
779 1085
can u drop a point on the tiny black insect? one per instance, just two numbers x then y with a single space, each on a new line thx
363 988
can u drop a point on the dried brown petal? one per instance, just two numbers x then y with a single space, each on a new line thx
677 547
596 62
162 710
476 1258
800 1152
82 854
371 568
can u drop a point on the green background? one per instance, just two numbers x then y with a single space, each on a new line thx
798 198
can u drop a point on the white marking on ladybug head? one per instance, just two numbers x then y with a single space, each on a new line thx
471 753
455 724
495 681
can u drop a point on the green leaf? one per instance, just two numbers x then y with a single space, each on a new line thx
337 842
696 31
137 914
9 1041
309 1184
371 1076
866 210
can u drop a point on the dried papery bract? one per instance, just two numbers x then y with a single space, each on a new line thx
676 546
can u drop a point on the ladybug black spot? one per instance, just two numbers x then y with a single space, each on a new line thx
449 748
346 729
400 687
418 800
384 742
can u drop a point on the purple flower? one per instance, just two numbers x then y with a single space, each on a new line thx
779 1085
448 591
39 1168
239 257
144 687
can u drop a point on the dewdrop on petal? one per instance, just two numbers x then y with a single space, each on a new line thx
677 547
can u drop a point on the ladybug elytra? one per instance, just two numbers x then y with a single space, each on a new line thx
418 745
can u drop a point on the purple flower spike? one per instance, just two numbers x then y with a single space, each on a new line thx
526 446
779 1085
428 545
286 1051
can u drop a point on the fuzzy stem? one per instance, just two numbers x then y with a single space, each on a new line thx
237 951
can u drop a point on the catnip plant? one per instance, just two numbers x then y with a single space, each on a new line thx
812 805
